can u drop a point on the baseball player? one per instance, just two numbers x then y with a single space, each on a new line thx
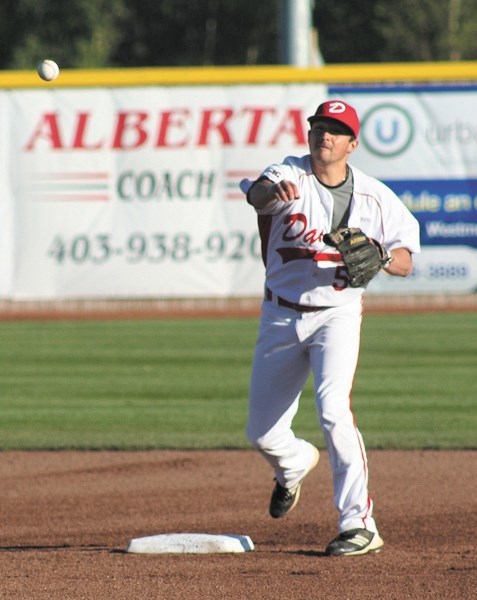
326 229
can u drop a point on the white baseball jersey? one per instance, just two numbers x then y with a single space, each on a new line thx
299 266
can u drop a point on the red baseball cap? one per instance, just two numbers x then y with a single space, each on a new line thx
339 111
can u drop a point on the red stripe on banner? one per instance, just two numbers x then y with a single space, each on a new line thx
235 196
72 198
63 176
240 173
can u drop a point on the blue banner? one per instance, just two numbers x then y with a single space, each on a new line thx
445 208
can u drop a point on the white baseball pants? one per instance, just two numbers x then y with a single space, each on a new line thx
290 346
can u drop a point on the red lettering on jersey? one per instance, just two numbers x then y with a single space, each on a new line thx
297 224
296 219
312 236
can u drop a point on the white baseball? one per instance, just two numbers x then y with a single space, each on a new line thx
48 70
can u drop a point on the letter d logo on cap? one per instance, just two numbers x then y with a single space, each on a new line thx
336 107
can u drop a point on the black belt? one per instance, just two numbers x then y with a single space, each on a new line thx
293 305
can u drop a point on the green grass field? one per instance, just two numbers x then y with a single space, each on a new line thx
182 383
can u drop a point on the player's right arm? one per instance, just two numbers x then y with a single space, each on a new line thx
264 192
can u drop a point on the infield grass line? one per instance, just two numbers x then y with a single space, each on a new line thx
183 383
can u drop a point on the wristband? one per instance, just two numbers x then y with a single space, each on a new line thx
388 259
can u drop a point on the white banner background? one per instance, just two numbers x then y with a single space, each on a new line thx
133 192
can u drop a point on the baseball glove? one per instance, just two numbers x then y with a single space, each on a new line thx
363 256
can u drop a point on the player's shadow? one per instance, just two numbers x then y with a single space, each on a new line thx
309 553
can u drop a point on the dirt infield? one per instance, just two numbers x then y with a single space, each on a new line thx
66 519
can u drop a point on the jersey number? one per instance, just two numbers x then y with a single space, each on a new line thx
341 278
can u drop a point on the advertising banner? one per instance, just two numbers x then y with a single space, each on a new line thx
422 142
134 192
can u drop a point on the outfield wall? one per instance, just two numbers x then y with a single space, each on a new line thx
125 183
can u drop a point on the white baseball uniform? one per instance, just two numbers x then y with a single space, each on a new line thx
311 323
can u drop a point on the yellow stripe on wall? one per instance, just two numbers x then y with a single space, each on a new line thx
175 76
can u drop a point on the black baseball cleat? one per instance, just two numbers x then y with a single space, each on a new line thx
355 542
284 499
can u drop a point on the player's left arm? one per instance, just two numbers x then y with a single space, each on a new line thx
401 264
400 236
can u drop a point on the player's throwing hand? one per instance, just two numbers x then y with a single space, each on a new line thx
283 190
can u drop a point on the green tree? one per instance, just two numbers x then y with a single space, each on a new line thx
389 31
133 33
425 29
127 33
76 33
346 31
199 32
